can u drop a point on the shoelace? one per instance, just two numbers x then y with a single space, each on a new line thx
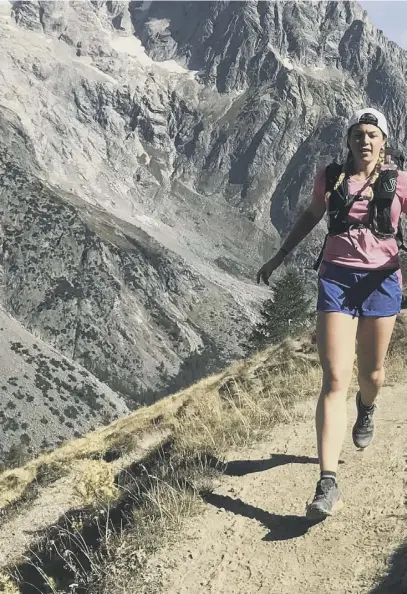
324 486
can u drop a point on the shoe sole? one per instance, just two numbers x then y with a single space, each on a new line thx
315 513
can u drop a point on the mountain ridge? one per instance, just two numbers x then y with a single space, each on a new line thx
157 175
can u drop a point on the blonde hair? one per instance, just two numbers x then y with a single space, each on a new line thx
347 169
376 172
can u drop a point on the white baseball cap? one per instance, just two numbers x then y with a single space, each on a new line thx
376 119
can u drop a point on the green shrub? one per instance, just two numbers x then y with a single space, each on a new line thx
284 315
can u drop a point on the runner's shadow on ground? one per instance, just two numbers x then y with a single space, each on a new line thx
395 582
242 467
280 527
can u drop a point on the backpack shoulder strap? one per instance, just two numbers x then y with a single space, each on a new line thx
386 184
384 191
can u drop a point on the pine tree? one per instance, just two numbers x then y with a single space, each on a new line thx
284 315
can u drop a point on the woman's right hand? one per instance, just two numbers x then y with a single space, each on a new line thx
269 267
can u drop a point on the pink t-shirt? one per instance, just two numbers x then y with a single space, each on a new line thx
362 249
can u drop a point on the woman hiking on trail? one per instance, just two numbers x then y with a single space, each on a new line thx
359 288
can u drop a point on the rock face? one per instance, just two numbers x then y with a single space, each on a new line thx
300 69
101 290
152 154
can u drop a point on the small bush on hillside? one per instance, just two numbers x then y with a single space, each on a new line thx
15 457
284 315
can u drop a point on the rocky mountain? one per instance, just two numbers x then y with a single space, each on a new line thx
46 398
152 154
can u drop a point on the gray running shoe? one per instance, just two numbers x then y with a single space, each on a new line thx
326 500
362 432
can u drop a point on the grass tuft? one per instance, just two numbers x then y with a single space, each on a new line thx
7 586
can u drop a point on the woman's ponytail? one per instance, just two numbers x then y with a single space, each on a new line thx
376 171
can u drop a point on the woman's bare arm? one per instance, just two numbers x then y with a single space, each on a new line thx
304 225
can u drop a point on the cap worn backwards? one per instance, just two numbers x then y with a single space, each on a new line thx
369 115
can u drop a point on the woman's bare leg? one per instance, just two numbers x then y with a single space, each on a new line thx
336 338
373 338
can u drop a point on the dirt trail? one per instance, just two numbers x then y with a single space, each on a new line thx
252 536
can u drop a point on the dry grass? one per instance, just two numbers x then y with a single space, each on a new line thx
7 586
216 413
226 410
156 523
94 481
104 551
138 514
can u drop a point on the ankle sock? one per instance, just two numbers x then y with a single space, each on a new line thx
328 474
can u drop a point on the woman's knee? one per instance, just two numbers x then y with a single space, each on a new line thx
373 377
336 380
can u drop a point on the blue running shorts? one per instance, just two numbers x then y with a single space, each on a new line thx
356 292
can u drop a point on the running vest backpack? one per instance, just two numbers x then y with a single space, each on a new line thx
340 202
379 218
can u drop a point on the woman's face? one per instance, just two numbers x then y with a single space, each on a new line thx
365 142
